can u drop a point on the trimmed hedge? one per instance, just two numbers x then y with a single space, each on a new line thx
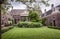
54 27
5 29
29 24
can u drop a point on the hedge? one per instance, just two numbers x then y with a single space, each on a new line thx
5 29
29 24
54 27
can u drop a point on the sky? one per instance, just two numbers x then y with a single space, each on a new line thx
55 2
17 5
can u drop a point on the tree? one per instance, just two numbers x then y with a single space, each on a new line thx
29 3
5 6
5 3
34 17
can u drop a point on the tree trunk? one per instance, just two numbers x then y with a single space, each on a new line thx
0 21
1 1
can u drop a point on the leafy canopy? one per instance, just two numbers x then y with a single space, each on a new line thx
34 17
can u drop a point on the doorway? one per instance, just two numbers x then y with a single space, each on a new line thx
15 21
54 23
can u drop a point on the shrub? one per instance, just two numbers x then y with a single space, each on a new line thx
29 24
9 23
43 21
35 25
5 29
54 27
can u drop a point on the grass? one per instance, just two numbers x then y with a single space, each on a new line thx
32 33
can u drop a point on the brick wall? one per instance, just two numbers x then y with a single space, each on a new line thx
53 17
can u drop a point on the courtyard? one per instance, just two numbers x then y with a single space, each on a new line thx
30 19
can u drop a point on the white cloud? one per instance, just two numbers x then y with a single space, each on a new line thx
17 5
20 6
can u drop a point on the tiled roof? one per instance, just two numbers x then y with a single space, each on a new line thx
58 6
19 12
48 12
24 14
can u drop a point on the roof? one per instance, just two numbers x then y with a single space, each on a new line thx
58 6
42 15
17 11
48 12
24 14
20 12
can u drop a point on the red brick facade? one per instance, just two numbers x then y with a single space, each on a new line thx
19 15
53 19
52 16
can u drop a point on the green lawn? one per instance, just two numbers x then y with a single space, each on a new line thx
32 33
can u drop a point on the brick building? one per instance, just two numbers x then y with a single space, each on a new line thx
19 15
5 19
52 16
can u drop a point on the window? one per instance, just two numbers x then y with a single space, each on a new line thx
11 14
18 19
59 9
9 19
3 17
53 17
53 9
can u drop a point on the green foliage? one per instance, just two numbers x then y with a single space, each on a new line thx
50 24
7 3
10 22
5 6
54 27
43 21
5 29
29 24
34 17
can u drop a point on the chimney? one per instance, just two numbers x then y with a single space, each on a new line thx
52 6
44 10
12 7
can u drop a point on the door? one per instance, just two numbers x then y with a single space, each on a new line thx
54 23
15 21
